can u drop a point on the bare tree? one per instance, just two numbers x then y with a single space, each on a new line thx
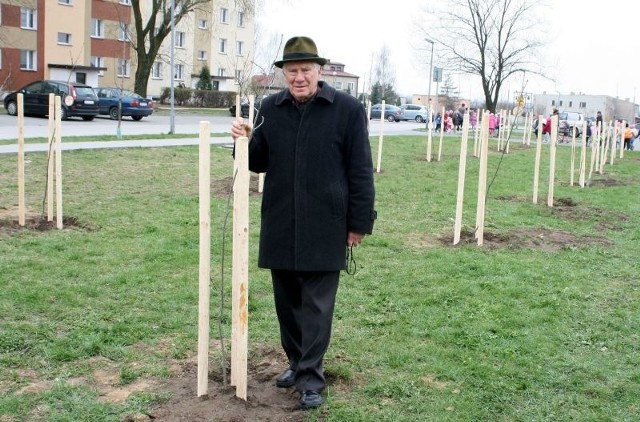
493 39
150 34
383 72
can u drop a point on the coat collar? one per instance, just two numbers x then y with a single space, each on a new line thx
325 92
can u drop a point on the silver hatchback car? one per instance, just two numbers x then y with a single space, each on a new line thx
415 112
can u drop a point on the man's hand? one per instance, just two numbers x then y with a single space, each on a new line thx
354 239
239 129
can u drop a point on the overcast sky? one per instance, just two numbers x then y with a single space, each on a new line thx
594 50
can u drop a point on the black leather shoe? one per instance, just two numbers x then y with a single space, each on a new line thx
310 399
286 379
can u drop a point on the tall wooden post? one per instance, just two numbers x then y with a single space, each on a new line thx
482 179
536 168
58 106
51 155
583 154
21 200
552 159
205 258
381 137
240 271
461 177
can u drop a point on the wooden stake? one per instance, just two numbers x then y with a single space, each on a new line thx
240 271
573 156
51 155
58 169
205 258
536 168
552 158
461 177
482 180
21 201
441 133
583 154
429 140
381 138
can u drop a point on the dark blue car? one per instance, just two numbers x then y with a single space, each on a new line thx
133 105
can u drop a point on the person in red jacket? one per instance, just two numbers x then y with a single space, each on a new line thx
546 130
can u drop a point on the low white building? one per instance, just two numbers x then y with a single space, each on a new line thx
612 108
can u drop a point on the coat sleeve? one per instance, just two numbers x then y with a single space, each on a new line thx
361 213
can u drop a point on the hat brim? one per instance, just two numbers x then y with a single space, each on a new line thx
321 61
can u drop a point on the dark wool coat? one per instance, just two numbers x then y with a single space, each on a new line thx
319 179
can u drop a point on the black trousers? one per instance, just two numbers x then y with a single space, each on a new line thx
304 302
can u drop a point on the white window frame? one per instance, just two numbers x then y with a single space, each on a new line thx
65 2
123 69
351 86
178 72
64 38
180 39
202 24
221 72
222 46
239 48
97 61
241 19
31 61
123 32
224 15
97 28
28 17
156 70
202 55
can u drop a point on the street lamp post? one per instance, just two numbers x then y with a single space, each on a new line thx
430 78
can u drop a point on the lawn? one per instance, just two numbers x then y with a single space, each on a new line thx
541 323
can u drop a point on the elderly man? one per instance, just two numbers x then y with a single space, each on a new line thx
312 143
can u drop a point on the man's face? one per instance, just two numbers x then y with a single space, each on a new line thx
302 78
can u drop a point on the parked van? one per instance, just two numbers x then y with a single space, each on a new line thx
570 123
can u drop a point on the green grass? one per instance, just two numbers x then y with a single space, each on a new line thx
423 331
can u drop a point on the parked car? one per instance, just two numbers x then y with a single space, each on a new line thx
391 113
244 108
133 105
77 99
570 122
416 112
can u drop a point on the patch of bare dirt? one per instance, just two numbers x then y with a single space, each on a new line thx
9 222
547 240
224 187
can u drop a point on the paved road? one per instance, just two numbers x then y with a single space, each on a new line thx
155 124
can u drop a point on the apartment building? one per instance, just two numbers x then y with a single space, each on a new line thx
588 105
90 41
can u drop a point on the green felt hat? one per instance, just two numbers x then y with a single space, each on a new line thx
299 49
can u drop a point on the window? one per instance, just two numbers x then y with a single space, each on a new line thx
553 102
223 45
98 62
180 39
178 73
124 68
238 75
65 2
570 104
28 18
123 32
239 48
221 71
351 86
338 85
156 70
202 55
583 105
224 15
241 19
126 2
64 38
560 103
202 24
97 28
28 60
